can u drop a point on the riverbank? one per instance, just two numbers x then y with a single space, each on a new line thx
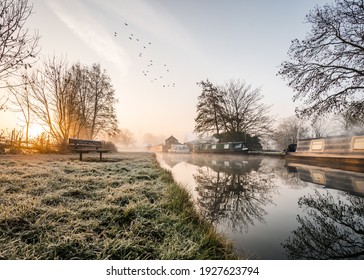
126 207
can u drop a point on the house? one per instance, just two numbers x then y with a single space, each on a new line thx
169 142
166 146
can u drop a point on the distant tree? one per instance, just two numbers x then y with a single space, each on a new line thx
151 139
209 109
319 127
243 110
234 108
17 47
350 124
124 137
326 68
289 131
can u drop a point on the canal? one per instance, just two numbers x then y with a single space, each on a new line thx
273 211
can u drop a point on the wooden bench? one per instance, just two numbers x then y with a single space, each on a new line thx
86 146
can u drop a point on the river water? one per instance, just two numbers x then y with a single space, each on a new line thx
270 210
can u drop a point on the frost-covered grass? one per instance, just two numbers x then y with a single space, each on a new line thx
126 207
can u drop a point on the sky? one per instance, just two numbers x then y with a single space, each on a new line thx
179 43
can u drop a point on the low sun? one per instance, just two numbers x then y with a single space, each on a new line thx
35 130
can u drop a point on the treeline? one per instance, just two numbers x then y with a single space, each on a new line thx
67 101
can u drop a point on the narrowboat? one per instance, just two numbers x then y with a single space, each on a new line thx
343 152
179 148
224 148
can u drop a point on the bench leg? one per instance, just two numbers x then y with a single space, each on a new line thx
100 156
80 156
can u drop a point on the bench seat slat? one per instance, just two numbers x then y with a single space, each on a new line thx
85 146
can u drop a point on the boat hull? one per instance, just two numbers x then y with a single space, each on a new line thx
332 161
342 152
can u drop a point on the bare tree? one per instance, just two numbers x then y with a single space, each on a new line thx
330 228
243 110
53 100
102 96
209 109
17 47
124 137
326 68
151 139
289 131
234 109
72 102
350 124
22 103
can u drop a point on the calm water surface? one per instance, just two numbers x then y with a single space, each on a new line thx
273 211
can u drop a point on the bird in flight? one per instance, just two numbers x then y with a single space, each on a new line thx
126 24
115 33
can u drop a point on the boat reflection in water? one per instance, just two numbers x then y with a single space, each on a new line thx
347 181
332 226
270 210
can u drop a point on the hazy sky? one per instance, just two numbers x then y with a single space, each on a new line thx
190 41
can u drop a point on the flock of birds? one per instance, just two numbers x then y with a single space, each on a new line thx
158 75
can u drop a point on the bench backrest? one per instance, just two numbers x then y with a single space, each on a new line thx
84 143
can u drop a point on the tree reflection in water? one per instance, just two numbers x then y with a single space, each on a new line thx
332 229
233 196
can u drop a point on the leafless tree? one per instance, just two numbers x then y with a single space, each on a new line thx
330 228
70 102
124 137
151 139
53 100
22 103
289 131
350 124
18 48
235 109
102 97
243 109
326 68
209 109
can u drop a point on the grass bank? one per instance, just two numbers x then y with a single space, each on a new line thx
127 207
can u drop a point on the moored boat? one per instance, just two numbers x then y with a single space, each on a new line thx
344 152
228 147
179 148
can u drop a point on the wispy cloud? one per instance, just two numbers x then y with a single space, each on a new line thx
78 18
156 19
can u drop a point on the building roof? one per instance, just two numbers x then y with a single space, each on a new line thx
171 138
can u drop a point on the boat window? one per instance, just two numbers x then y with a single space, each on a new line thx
317 145
318 177
358 143
213 147
238 146
226 146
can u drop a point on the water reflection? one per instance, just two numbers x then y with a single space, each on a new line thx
347 181
332 228
273 210
236 196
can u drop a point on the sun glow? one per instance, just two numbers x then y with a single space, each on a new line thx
35 130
